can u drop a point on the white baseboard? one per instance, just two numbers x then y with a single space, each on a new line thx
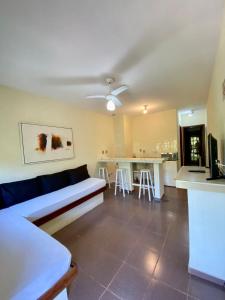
68 217
206 276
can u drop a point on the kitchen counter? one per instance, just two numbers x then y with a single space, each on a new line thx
152 160
198 181
129 164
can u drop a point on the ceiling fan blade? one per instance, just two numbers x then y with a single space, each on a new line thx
114 99
119 90
96 97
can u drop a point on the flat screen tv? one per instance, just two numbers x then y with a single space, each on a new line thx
213 157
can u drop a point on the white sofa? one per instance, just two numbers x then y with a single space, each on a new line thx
41 206
31 260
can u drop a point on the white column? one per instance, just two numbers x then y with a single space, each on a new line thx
158 180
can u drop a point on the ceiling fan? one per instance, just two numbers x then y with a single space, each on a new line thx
111 97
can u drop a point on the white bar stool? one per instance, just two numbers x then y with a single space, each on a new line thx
146 183
121 180
103 173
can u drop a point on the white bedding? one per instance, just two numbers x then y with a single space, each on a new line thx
43 205
30 259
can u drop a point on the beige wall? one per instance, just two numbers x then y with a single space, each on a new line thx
155 133
92 133
198 117
216 103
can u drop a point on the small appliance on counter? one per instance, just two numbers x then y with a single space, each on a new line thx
170 156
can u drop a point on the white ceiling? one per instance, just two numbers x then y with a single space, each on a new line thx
163 50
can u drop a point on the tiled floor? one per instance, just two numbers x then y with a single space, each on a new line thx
133 249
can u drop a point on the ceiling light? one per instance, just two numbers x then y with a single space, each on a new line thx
110 105
145 110
190 113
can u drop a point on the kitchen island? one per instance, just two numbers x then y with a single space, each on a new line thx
206 215
130 163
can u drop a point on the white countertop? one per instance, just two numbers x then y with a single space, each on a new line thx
151 160
198 181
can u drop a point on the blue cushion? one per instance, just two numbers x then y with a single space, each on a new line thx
53 182
1 200
78 174
19 191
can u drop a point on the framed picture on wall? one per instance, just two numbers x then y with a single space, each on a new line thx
41 143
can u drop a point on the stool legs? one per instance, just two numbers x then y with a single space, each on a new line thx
140 185
103 173
152 184
116 183
121 181
146 184
107 177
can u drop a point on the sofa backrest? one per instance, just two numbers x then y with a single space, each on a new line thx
19 191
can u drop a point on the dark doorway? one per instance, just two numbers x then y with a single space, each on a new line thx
192 139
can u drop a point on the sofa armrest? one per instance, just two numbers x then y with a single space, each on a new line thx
61 284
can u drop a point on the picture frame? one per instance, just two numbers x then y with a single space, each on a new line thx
44 143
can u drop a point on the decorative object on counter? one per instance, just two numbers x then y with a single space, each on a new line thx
170 156
142 152
104 154
221 169
41 143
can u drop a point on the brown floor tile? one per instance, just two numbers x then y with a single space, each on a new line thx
129 283
158 226
109 296
176 252
85 288
105 267
84 254
173 273
152 240
143 259
136 231
140 218
160 291
178 234
121 241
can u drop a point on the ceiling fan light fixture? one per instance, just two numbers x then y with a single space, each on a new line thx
110 105
190 113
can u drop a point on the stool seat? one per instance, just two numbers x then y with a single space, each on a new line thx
146 183
103 173
121 180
